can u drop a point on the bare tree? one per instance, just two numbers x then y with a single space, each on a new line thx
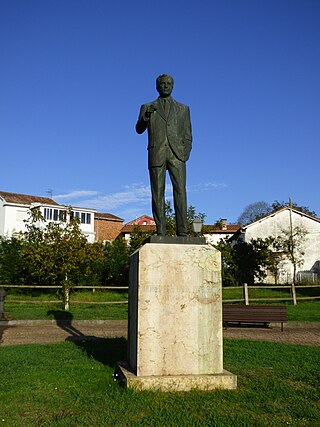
253 212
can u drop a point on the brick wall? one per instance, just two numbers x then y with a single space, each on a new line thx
106 229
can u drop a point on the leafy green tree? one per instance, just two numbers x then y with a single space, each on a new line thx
138 237
116 262
171 222
11 261
54 252
273 257
243 262
251 259
290 243
91 272
229 266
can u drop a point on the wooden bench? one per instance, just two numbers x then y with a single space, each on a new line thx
254 314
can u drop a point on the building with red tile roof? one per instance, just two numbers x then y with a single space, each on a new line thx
107 227
214 233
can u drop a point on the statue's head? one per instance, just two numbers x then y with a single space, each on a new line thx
164 85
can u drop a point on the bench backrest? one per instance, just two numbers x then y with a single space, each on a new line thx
262 313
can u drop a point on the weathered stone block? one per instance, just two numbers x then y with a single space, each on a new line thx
175 311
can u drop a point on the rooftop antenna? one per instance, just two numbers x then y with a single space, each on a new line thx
50 193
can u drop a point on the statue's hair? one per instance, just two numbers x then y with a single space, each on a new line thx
162 76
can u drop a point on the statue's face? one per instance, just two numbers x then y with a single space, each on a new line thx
165 86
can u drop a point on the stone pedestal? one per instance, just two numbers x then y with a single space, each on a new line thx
175 319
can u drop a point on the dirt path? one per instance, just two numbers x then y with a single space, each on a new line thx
32 332
293 333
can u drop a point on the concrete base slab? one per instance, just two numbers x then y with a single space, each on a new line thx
224 381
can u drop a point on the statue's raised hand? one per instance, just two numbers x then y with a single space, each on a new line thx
150 110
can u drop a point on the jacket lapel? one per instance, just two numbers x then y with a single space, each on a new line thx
161 110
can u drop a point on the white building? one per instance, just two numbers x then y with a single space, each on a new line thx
14 210
285 219
213 234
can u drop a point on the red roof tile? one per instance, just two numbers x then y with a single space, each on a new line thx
107 216
25 199
142 220
212 229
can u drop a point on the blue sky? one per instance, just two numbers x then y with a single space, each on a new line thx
74 73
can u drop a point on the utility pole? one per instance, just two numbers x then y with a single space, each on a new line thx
290 211
291 240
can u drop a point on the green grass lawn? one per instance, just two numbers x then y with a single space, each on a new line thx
71 385
75 295
304 311
79 312
260 293
37 307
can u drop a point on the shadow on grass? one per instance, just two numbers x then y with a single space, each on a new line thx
105 350
108 351
242 325
64 321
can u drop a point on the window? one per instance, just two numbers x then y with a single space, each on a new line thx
76 215
85 217
62 215
56 215
47 213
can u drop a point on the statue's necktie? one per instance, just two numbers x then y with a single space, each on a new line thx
165 106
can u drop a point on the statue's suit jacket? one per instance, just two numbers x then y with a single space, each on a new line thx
173 129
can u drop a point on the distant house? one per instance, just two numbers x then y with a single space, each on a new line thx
283 219
144 222
14 210
213 234
107 227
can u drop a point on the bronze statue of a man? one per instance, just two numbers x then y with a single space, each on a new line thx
169 146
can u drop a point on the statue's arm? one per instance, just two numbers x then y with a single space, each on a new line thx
188 135
188 132
143 121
